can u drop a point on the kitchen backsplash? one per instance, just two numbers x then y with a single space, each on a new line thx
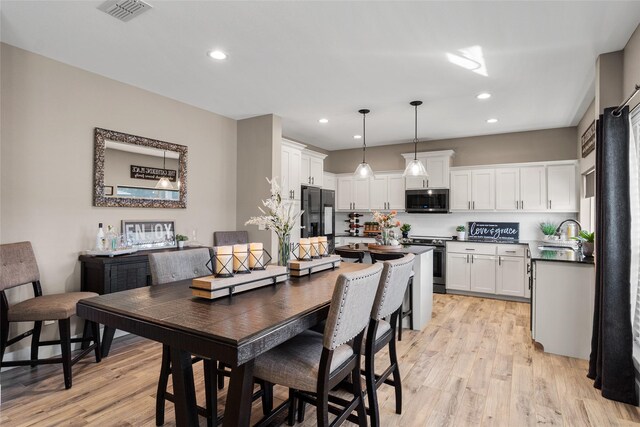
445 224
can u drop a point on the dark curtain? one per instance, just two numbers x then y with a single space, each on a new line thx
611 363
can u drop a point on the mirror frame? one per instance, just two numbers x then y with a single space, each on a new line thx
99 198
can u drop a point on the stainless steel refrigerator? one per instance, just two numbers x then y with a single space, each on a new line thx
319 216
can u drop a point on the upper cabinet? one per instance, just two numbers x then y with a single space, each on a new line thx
290 165
312 168
472 190
535 187
437 164
352 193
387 192
561 188
329 181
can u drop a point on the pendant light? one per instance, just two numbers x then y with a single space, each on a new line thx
364 170
164 182
415 166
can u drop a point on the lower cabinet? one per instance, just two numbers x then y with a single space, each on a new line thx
484 268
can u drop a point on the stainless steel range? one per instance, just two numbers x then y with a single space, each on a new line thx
439 259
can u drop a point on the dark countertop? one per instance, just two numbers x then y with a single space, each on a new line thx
406 249
570 255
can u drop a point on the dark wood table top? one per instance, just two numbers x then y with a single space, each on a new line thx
405 249
233 330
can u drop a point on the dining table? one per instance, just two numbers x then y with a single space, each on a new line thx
234 329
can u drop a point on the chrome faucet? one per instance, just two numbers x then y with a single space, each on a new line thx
557 233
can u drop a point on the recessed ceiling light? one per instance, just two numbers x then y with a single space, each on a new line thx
357 136
323 121
492 120
483 95
217 54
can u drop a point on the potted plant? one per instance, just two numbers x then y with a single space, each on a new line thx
181 238
386 222
405 230
587 240
549 230
462 231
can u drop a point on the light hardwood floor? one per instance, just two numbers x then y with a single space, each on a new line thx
473 365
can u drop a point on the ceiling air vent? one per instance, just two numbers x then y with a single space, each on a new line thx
124 10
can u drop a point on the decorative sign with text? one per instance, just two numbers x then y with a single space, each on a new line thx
494 230
588 140
149 234
154 174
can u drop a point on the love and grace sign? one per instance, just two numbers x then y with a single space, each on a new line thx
494 230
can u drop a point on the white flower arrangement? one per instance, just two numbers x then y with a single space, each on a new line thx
277 216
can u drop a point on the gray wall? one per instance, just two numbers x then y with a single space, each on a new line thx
259 145
540 145
49 111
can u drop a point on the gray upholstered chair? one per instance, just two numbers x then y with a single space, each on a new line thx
226 238
388 256
311 363
19 267
167 267
380 333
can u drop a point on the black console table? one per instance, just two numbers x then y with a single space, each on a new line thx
106 275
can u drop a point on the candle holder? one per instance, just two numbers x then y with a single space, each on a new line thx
301 252
241 263
323 249
219 266
259 262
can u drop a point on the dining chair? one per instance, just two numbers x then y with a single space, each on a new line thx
19 267
358 256
381 333
225 238
167 267
311 364
388 256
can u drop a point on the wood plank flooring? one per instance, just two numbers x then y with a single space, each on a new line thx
473 365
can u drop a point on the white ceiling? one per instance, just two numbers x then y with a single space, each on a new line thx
307 60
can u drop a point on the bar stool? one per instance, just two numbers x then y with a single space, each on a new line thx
358 256
311 364
388 256
380 333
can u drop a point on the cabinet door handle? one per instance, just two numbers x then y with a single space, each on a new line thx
521 204
510 252
471 259
499 260
467 258
313 180
549 204
474 204
467 249
469 205
517 207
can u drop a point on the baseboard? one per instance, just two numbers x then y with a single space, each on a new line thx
489 296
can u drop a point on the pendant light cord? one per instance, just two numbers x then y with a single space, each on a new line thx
364 137
415 138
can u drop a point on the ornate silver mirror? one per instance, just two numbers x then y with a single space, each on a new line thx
133 171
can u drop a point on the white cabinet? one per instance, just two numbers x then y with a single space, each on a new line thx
291 155
344 193
312 168
329 181
458 271
472 190
507 189
353 194
460 194
533 188
511 276
387 192
487 268
561 188
437 164
483 273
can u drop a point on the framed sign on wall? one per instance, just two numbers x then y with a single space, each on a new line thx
588 140
149 234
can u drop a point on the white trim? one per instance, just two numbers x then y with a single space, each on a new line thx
293 144
517 165
315 154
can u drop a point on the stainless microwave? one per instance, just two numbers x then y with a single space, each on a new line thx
427 201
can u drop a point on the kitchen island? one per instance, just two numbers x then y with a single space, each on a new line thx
422 280
562 300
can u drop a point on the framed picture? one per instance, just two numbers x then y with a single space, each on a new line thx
108 190
148 234
588 140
